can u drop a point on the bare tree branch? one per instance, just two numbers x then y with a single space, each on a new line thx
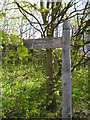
79 61
21 8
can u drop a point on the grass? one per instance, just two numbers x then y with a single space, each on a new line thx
24 92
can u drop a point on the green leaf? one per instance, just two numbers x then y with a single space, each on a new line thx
3 15
14 39
13 17
41 10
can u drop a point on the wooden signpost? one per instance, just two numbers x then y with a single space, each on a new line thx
43 43
63 42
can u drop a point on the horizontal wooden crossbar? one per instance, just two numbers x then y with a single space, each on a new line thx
43 43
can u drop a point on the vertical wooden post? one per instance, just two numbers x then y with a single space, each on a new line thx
0 76
88 48
66 72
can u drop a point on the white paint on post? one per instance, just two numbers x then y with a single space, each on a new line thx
66 72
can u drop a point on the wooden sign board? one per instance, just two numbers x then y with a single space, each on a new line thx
43 43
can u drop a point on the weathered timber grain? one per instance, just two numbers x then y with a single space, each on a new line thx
43 43
66 72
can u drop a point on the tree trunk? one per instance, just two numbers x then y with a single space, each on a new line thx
50 98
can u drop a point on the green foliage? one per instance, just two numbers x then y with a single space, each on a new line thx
13 50
80 84
2 14
76 54
24 82
43 10
23 91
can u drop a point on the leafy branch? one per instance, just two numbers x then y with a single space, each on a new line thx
80 61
